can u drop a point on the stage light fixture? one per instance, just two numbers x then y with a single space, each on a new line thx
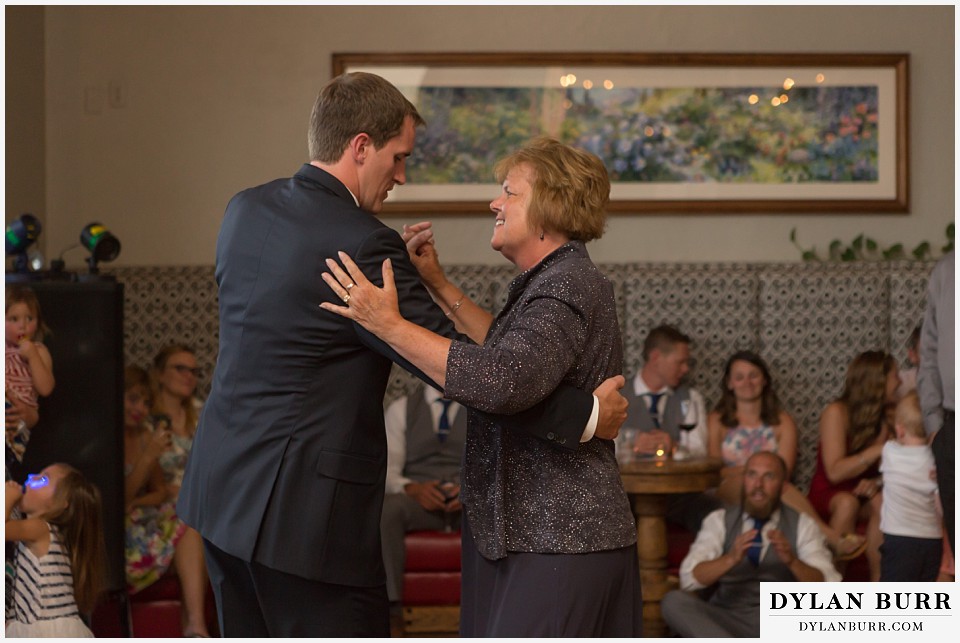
101 243
22 233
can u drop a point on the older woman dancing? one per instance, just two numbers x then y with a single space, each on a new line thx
548 535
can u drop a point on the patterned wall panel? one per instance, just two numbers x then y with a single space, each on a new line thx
715 304
165 305
807 320
814 318
908 300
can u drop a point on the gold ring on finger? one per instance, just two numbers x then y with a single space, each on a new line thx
346 298
349 286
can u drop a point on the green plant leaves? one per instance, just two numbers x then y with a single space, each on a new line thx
864 248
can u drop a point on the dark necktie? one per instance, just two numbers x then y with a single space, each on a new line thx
443 427
756 545
655 408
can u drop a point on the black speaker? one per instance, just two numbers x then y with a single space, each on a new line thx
81 422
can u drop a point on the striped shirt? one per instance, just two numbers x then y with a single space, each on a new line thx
43 587
19 381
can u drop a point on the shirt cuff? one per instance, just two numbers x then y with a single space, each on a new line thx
592 422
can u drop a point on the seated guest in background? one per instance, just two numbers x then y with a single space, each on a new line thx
908 374
741 546
749 418
853 429
668 413
153 532
175 406
425 437
175 411
29 369
910 519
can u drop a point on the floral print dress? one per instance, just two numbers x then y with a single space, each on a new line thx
151 538
742 442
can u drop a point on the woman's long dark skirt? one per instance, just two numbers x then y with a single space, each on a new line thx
550 595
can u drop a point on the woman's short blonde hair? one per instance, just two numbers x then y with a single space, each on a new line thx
571 188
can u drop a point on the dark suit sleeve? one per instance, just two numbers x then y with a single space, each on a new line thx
562 414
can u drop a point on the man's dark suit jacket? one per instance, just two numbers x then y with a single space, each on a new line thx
289 459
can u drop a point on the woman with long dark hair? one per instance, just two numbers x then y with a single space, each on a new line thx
846 487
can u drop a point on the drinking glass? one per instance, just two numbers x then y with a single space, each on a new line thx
689 418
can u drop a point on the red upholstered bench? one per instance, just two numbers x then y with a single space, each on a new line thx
154 612
431 582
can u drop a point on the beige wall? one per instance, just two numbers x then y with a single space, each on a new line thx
24 182
216 99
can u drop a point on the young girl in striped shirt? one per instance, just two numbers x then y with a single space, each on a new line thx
60 556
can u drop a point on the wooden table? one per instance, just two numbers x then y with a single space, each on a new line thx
649 483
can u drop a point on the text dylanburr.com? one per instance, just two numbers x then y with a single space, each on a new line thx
855 610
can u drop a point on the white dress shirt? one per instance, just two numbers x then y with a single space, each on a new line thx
811 546
395 419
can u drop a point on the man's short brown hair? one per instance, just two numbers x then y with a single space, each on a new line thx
356 103
663 338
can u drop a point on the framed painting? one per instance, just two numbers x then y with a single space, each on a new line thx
698 133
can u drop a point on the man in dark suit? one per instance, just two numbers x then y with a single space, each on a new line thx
285 481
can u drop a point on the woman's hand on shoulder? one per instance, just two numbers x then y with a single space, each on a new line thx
376 309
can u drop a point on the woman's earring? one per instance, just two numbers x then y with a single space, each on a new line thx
541 236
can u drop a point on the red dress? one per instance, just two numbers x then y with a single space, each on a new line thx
822 490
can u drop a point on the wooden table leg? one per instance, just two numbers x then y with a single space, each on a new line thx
652 552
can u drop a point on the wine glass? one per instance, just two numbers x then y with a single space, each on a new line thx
689 418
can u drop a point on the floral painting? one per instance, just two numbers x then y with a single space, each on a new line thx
680 132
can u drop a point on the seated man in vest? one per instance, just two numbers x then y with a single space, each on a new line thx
739 547
425 437
665 413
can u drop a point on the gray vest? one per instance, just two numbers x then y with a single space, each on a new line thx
427 457
638 411
740 587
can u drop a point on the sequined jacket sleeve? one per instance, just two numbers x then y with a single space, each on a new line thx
547 327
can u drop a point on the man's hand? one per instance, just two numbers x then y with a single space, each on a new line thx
416 235
427 493
451 497
740 546
18 411
780 544
648 442
613 408
423 255
866 488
